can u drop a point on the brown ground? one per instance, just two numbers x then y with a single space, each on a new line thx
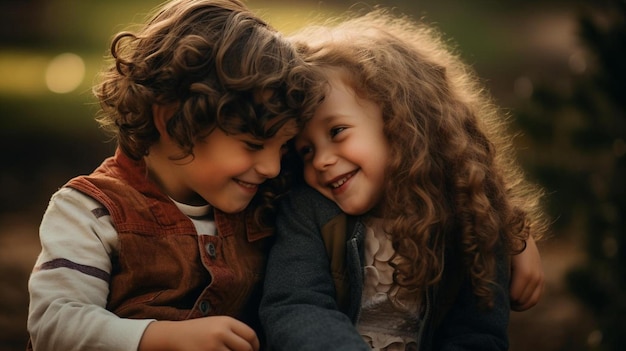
19 247
557 323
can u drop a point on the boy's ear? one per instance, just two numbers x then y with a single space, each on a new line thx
161 115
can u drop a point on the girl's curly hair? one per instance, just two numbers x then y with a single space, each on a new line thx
214 59
452 181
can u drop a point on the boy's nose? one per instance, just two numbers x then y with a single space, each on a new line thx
268 164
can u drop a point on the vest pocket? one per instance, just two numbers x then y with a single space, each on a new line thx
135 307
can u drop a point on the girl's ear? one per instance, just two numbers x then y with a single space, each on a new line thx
161 115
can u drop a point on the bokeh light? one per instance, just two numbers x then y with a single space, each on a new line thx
65 73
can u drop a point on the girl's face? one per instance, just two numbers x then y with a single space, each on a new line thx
344 150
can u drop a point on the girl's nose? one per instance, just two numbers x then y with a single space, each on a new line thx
323 158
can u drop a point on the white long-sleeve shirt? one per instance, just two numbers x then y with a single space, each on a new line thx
69 285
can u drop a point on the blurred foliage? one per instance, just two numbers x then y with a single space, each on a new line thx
580 129
56 134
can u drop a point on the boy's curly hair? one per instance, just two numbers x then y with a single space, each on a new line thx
214 59
452 181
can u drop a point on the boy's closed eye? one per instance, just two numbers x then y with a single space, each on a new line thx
259 145
254 146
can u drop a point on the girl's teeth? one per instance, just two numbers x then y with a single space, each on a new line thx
340 182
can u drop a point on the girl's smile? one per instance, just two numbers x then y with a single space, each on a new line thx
344 148
342 182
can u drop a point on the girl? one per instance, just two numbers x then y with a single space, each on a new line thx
427 204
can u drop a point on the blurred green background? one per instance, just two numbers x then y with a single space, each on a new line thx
557 67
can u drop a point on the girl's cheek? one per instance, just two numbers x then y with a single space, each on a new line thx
309 176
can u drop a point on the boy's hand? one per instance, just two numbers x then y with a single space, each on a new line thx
527 279
203 334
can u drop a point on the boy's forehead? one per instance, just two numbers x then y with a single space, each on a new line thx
289 130
289 127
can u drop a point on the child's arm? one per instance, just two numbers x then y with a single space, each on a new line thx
527 279
298 309
69 285
202 334
69 289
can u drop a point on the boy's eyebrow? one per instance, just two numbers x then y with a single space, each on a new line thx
288 129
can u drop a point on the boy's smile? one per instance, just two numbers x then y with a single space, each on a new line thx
248 186
225 170
228 169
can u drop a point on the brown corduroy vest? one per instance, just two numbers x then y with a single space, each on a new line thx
164 270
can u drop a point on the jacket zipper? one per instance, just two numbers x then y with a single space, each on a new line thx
355 257
422 327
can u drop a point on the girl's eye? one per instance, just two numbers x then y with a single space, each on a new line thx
284 149
304 151
336 130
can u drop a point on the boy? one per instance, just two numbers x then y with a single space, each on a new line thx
163 246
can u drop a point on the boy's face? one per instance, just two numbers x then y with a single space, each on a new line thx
227 169
344 150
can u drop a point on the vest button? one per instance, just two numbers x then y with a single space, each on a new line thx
204 307
210 249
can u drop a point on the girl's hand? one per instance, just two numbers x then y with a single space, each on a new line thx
203 334
527 279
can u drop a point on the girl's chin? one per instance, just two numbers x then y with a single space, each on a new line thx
353 210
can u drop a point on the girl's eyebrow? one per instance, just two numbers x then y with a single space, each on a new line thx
331 117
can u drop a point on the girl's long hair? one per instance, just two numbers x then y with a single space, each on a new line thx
452 181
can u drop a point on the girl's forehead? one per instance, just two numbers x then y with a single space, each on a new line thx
346 77
331 72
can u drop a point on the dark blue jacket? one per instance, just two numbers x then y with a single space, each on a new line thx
314 281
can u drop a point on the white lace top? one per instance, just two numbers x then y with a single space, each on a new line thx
390 316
